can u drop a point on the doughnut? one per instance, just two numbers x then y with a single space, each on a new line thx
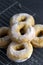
22 17
20 33
38 40
38 28
19 52
4 38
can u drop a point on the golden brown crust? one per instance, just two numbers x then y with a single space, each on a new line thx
38 40
4 36
38 28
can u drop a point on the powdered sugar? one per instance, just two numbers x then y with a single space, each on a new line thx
30 34
15 17
20 52
13 31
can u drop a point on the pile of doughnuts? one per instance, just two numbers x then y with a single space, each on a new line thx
21 37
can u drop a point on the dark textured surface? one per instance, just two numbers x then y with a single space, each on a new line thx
8 9
34 5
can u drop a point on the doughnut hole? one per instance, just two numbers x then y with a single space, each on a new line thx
22 18
3 35
23 30
19 47
40 34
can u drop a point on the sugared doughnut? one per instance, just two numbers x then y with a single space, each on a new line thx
4 38
19 52
20 33
38 40
22 17
38 28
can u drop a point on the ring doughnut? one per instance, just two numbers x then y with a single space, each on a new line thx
4 38
38 40
19 52
38 28
22 17
20 33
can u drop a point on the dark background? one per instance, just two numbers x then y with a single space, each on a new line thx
35 5
5 14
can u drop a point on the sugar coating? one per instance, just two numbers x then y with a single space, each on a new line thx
20 52
30 33
13 31
15 17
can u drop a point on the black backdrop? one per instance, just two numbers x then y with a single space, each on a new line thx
35 5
